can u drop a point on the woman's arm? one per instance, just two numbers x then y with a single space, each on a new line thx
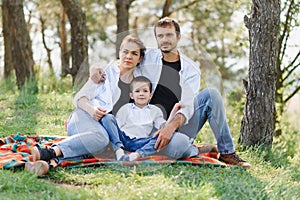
95 112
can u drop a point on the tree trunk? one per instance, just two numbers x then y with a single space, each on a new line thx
65 56
122 7
79 43
258 123
8 62
166 8
20 43
48 50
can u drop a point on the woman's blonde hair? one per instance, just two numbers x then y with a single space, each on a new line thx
135 39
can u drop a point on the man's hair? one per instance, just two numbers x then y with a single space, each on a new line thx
140 79
165 22
135 39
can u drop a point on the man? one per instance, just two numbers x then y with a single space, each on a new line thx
176 78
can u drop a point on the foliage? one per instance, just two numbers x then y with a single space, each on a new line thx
217 27
34 113
288 75
274 175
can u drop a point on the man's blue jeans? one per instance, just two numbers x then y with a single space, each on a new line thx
143 146
208 105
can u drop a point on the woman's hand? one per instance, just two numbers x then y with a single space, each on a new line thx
97 74
97 113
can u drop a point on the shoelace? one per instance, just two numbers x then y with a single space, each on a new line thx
237 158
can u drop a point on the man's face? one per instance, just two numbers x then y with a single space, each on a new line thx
166 38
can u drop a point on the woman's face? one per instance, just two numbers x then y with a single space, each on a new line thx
129 55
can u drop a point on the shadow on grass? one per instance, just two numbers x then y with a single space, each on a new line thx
26 110
206 180
224 183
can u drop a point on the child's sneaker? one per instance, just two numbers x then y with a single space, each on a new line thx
124 158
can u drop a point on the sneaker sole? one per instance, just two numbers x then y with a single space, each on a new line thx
38 168
206 148
239 165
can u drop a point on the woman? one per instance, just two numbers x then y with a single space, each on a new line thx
87 136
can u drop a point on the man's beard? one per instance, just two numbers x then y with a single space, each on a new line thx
168 50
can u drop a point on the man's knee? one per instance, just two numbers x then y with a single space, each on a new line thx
178 145
212 95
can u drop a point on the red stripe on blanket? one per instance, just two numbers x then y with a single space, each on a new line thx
15 151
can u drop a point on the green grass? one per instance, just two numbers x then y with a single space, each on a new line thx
275 173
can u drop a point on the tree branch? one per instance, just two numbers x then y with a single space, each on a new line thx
292 94
285 29
166 8
294 67
184 6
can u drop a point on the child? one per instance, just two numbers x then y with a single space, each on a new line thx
134 124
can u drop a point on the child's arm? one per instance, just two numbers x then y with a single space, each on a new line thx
122 115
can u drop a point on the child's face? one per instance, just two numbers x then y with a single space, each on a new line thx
140 94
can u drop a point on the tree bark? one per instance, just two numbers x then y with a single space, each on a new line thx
8 62
19 42
122 7
65 56
166 8
79 42
258 124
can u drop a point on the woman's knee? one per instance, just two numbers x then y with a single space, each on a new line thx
101 132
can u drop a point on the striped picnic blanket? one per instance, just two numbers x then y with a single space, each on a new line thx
15 152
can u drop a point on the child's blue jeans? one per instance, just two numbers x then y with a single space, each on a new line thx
143 146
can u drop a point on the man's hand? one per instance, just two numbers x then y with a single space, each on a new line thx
164 136
97 74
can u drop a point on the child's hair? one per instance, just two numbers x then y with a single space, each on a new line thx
137 41
140 79
165 22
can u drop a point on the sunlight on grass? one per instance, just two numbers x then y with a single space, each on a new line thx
275 172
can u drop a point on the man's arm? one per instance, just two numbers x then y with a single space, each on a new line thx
165 134
174 111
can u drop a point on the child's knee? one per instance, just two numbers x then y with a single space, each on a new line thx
108 118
